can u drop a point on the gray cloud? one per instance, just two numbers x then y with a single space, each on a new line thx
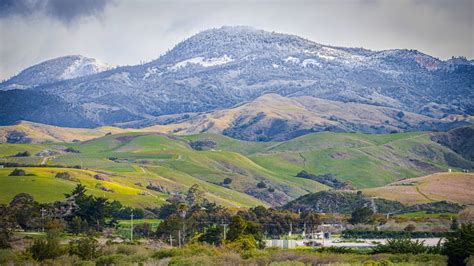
66 11
129 31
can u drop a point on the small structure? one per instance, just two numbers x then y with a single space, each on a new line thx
1 166
280 243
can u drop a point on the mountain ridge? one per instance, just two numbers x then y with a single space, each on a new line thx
220 68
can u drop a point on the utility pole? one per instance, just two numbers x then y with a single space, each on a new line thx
224 225
131 228
179 238
171 241
42 219
291 228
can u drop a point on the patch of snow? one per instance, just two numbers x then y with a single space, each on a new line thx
84 66
150 71
292 60
204 62
310 62
275 66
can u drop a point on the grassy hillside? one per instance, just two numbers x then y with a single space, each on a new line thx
454 187
255 172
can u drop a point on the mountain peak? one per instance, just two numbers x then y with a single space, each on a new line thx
56 69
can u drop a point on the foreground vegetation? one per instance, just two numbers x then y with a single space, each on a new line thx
193 231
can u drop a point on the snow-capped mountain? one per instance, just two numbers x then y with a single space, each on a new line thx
220 68
62 68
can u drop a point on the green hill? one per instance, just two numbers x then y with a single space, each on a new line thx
143 169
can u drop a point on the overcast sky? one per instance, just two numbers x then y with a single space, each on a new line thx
126 31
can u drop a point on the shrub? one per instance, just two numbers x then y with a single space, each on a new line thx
72 150
460 245
23 154
126 250
43 249
401 245
243 243
114 259
7 257
18 172
261 184
227 181
66 176
86 248
362 215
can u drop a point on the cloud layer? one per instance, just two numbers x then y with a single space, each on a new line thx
66 11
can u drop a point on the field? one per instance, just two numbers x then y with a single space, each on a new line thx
454 187
129 162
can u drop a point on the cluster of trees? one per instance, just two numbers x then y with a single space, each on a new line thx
79 213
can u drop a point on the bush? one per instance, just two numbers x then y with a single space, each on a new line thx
261 184
243 243
7 257
114 259
86 248
43 249
460 245
66 176
23 154
401 245
18 172
227 181
362 215
72 150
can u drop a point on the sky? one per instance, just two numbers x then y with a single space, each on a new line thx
126 32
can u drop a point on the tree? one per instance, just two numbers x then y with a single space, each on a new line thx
18 172
362 215
247 234
87 248
50 247
77 225
26 211
460 245
227 181
454 224
195 195
94 210
213 235
6 225
312 220
23 154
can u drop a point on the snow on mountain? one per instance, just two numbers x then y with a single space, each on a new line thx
61 68
204 62
84 66
220 68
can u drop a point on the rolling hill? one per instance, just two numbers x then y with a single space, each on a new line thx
453 187
231 171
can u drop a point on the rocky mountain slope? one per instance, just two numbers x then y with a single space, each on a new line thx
221 68
62 68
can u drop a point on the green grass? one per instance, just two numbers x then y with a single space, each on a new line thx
134 160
